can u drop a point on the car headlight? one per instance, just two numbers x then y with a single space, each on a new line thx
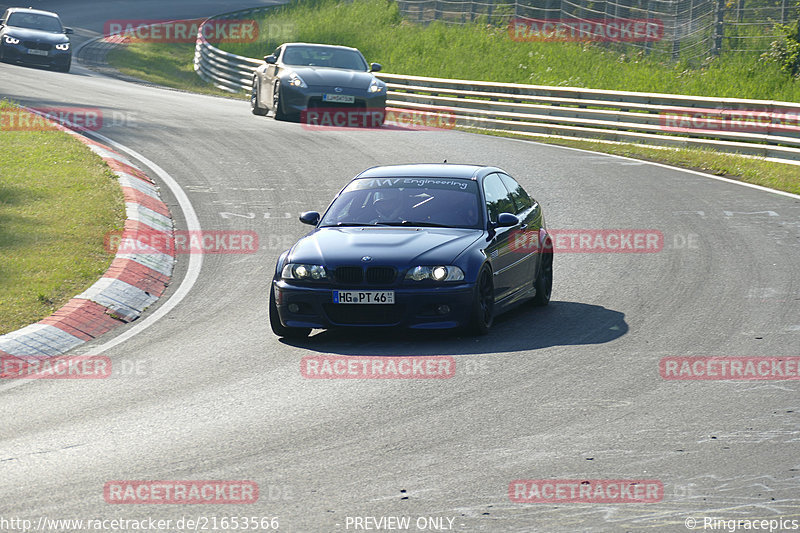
10 40
296 81
303 271
436 273
62 46
377 86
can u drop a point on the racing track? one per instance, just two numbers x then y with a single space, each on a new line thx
570 391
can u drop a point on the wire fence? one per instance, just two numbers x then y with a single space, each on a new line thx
674 29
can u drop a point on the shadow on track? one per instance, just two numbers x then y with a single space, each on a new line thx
522 329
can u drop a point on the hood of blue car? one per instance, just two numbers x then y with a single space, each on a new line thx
36 35
398 247
323 76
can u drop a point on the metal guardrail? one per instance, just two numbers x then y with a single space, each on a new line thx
762 128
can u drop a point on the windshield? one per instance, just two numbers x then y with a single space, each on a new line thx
440 202
324 56
35 21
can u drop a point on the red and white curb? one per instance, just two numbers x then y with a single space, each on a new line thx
133 282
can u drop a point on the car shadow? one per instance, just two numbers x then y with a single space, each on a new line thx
522 329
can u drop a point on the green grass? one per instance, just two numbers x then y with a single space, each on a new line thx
167 64
478 51
57 201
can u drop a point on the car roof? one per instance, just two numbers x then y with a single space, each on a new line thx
31 10
323 45
438 170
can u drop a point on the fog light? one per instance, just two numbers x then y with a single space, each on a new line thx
443 309
293 308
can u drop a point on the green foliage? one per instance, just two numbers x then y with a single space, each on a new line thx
786 52
479 51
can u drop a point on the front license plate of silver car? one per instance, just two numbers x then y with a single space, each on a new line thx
363 297
339 98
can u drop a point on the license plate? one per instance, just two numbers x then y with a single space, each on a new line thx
37 52
363 297
340 98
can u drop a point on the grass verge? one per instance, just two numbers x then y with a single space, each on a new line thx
167 64
57 201
479 51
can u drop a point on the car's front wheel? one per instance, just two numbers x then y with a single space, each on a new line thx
255 105
276 102
544 279
482 314
275 322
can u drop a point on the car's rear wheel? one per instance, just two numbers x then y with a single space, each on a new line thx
482 314
544 279
255 105
275 322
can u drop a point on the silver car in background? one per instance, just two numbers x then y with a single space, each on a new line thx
297 77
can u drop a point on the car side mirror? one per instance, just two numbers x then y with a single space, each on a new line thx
375 67
271 59
505 220
310 217
68 31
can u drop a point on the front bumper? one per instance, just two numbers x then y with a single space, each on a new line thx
296 100
19 53
414 307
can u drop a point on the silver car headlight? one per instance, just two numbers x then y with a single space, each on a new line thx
436 273
377 86
10 40
303 272
296 81
62 46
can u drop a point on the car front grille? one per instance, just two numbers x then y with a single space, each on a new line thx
349 274
381 275
33 45
353 275
363 315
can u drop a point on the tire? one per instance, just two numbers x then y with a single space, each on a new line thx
275 322
544 279
277 106
255 106
482 314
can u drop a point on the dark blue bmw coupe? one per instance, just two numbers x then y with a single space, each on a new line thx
416 246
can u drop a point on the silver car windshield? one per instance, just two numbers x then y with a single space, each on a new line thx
324 56
35 21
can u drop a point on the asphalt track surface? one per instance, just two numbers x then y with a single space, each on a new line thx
571 391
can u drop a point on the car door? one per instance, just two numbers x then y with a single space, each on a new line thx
501 255
525 239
